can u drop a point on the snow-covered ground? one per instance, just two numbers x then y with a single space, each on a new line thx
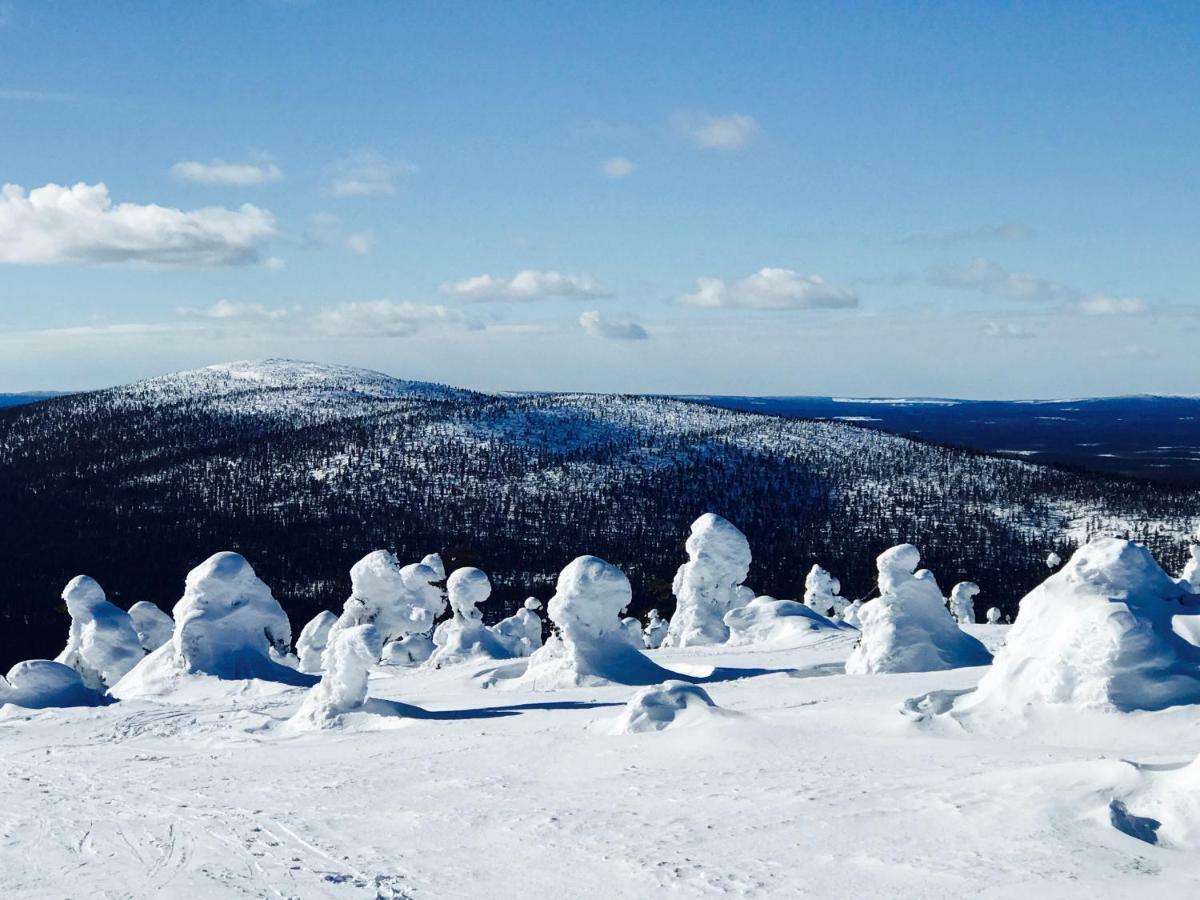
807 783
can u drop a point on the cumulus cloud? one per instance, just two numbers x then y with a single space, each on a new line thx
1007 330
232 310
734 131
986 277
525 285
217 171
366 173
770 289
609 329
387 318
617 167
1004 232
81 224
363 244
1102 305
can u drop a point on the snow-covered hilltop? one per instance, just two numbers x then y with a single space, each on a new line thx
304 468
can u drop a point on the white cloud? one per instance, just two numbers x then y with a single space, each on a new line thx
770 289
387 318
363 244
986 277
1004 232
1102 305
730 132
525 285
232 310
617 167
217 171
367 172
1007 330
124 329
599 327
81 224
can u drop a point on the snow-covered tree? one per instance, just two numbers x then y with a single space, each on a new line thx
708 585
102 644
1191 569
521 632
153 626
312 641
962 602
1100 633
994 615
464 636
1053 561
228 622
41 684
343 687
822 593
591 646
908 629
850 615
656 630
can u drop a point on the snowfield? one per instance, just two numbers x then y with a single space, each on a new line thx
809 783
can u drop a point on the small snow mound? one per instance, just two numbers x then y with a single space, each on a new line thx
672 704
343 687
102 645
908 629
43 684
312 641
591 647
767 620
708 585
408 652
153 626
1097 634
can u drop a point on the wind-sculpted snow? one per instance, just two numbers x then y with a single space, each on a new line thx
153 626
464 637
1098 634
102 644
765 620
706 587
42 684
907 628
343 687
672 704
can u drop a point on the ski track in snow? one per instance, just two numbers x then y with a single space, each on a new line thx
817 786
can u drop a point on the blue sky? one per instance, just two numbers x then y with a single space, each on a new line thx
978 199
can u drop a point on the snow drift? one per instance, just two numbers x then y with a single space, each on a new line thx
102 644
42 684
708 585
1097 634
908 629
672 704
767 620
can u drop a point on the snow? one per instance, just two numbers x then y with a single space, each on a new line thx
766 620
707 585
464 637
1096 635
1053 560
102 644
656 630
314 637
41 683
908 629
1191 570
821 593
153 626
993 615
343 687
521 633
672 704
962 602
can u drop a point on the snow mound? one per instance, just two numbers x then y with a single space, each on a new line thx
767 620
822 593
656 630
343 687
521 632
464 637
153 626
102 645
407 652
707 585
314 637
42 684
591 647
672 704
1097 634
908 629
962 602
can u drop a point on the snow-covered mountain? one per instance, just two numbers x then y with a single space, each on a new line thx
304 468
